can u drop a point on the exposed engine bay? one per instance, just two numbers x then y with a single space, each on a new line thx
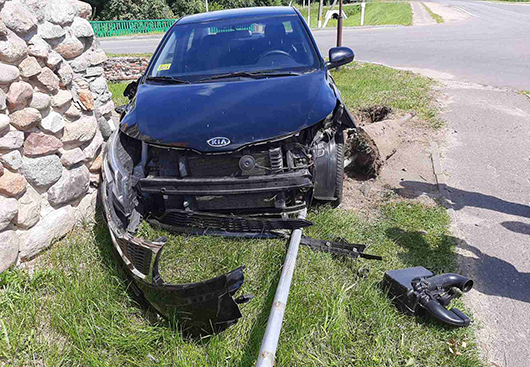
255 191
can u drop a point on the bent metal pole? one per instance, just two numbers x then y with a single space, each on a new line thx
269 343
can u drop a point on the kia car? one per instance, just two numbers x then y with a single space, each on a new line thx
234 128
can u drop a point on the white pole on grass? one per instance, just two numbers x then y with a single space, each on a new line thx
269 343
309 13
320 9
363 6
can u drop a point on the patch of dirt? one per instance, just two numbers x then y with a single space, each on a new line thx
372 114
407 174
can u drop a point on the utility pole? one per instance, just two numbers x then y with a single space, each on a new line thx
320 8
339 26
206 5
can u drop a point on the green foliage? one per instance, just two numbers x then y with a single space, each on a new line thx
185 7
136 9
164 9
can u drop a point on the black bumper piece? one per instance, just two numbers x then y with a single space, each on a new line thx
226 186
183 218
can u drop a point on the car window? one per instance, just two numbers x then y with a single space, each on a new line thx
195 51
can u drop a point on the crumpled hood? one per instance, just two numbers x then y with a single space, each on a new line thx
188 115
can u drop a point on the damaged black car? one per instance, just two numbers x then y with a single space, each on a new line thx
235 128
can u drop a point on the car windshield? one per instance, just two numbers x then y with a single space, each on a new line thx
200 51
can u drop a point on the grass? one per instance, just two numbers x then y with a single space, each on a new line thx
526 93
376 13
117 93
74 310
434 16
364 85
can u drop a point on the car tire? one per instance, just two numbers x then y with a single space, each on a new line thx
339 173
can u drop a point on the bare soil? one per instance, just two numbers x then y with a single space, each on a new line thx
406 174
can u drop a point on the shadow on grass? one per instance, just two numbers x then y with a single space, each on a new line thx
491 275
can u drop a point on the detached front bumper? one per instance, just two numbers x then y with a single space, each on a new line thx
201 308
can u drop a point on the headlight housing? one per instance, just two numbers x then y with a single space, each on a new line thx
123 153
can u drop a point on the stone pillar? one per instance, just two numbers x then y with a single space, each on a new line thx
54 105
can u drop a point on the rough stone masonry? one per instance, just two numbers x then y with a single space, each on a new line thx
55 114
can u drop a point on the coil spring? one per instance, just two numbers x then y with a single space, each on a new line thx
276 159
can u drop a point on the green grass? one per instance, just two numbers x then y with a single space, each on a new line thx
74 310
526 92
434 16
376 13
117 93
364 85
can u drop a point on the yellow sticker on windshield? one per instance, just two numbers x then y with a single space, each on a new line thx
164 67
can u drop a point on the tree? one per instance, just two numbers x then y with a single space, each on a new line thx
136 9
97 6
185 7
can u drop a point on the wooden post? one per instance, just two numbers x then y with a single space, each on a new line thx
339 26
320 9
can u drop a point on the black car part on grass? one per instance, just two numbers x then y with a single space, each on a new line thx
416 290
201 308
342 248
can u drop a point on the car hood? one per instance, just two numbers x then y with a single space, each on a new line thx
245 111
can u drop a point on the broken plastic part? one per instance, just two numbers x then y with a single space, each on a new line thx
201 308
414 290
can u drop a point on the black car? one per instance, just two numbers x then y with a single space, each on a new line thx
235 127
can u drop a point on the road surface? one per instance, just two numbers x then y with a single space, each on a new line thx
491 47
484 60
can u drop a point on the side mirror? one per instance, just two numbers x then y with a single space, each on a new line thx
130 90
339 56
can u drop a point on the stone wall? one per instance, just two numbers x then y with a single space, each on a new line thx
119 69
55 113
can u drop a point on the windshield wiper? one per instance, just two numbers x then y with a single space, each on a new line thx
251 74
168 79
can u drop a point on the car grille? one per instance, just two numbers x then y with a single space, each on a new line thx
183 218
225 165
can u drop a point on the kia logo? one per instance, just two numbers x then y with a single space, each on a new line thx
218 142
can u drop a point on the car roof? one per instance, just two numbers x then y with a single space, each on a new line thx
237 13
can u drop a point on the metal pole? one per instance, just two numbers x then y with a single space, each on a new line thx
206 1
309 13
339 26
363 6
320 9
269 343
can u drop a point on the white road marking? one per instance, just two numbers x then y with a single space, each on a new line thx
502 10
467 12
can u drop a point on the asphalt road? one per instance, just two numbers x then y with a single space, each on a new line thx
486 156
491 47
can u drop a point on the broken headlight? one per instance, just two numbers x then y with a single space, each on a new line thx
123 153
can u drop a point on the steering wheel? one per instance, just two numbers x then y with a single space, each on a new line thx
275 52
